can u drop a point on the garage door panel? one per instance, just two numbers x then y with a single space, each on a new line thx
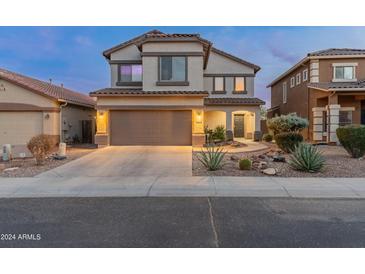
150 127
17 128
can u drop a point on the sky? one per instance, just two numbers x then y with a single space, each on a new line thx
73 55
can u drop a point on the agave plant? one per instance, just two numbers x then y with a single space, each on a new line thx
211 157
306 157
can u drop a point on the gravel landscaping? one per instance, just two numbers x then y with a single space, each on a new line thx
27 167
338 164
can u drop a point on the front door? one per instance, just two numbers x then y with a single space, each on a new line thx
363 112
238 125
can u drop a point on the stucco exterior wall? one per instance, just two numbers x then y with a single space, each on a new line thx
172 47
194 74
17 94
128 53
297 96
326 68
212 119
219 64
72 116
150 101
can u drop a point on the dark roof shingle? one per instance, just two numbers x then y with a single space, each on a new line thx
140 92
46 88
233 101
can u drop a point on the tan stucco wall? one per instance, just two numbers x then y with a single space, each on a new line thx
128 53
195 74
326 68
212 119
16 94
220 64
150 101
72 116
172 47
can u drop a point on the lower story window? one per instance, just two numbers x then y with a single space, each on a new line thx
345 118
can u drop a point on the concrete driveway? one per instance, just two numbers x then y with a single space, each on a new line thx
117 161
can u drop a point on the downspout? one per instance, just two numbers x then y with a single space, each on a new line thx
61 122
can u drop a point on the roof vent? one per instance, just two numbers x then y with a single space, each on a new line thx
50 80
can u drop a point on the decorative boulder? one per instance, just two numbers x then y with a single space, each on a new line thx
234 158
269 171
278 158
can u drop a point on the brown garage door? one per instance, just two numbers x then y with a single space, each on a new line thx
150 127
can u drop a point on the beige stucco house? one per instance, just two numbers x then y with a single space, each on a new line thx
29 107
167 88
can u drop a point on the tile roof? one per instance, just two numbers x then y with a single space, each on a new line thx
338 85
233 101
337 51
156 34
140 92
46 88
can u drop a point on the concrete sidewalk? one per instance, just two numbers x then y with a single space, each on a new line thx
157 186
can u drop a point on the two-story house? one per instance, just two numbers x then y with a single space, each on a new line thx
167 88
327 87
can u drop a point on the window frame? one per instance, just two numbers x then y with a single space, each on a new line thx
305 73
292 82
244 91
119 74
298 79
285 92
344 65
224 85
161 82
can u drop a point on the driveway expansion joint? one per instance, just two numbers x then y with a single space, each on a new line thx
212 223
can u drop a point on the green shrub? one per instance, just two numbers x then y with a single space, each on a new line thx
287 141
40 146
352 138
219 133
267 137
307 158
286 123
245 164
211 157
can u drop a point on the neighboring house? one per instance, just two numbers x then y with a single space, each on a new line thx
166 88
327 87
29 107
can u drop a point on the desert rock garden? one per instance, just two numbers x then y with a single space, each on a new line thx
287 155
44 158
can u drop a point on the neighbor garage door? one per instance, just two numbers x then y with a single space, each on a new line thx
150 127
17 128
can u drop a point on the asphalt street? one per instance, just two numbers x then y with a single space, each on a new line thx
182 222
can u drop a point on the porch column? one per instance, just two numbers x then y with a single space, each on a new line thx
333 122
198 137
318 123
102 123
257 133
229 131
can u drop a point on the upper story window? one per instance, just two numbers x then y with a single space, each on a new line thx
130 73
239 85
173 68
305 75
292 82
344 72
298 79
285 93
219 84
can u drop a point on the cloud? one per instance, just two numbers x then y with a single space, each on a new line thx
83 41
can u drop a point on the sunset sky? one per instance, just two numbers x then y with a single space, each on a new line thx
72 55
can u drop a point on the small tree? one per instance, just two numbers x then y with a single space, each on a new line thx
40 146
287 123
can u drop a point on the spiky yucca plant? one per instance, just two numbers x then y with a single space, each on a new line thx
211 157
306 157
